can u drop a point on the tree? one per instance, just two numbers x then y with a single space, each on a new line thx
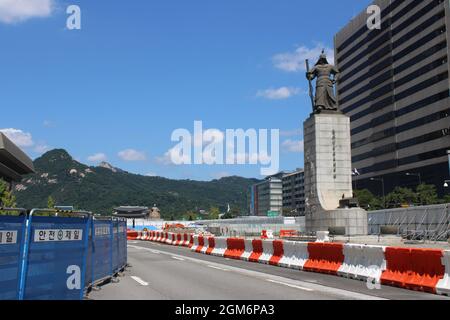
368 200
50 202
401 196
214 213
427 194
447 198
7 199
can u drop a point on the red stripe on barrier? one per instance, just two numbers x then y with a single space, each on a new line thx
278 252
201 244
414 269
257 251
211 245
235 248
324 257
191 241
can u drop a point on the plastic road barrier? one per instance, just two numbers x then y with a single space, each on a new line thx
248 250
235 248
415 269
201 244
267 251
55 262
443 286
211 245
257 251
324 257
295 255
12 243
220 247
363 262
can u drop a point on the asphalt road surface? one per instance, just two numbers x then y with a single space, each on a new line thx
163 272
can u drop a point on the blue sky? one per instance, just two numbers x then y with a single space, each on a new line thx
139 69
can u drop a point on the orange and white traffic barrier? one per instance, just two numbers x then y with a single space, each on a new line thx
324 257
414 269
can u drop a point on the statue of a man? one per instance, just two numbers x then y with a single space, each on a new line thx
327 75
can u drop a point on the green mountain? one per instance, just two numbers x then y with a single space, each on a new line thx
100 189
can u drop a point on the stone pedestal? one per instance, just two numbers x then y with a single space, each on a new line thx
328 175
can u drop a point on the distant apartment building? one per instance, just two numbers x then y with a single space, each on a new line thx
395 87
294 193
280 194
266 198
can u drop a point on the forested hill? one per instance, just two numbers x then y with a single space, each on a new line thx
100 189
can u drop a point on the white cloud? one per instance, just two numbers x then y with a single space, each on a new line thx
41 148
295 61
296 146
151 174
13 11
98 157
132 155
20 138
279 94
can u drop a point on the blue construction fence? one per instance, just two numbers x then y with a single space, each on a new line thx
58 258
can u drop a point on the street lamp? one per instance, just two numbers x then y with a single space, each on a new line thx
446 183
382 186
415 175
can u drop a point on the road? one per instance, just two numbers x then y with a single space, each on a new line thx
162 272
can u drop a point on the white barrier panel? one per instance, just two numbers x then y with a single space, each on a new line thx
295 255
220 247
267 251
363 262
443 286
248 250
194 247
158 237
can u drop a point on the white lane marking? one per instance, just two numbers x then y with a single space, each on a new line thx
339 293
140 281
133 242
217 268
155 252
179 259
290 285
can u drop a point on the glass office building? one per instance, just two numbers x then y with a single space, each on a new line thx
395 87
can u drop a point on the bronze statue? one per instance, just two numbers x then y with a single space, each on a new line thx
327 76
